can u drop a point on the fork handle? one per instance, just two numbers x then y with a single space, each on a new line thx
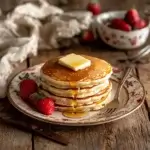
123 80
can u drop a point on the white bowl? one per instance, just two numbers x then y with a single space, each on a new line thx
117 38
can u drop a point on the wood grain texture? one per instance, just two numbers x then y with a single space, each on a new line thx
13 139
129 133
144 75
81 138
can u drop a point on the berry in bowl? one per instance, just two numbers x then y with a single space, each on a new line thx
123 29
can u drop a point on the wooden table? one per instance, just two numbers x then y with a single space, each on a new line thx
130 133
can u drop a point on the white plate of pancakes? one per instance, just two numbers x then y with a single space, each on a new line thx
81 98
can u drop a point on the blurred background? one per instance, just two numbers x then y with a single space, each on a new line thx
7 5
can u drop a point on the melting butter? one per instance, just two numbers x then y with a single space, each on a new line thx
74 62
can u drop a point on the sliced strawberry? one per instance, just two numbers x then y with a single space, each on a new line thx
132 16
94 7
140 24
27 87
120 24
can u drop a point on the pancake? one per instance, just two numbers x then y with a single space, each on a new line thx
75 93
85 108
72 84
65 101
62 77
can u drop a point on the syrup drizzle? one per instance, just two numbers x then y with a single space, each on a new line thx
75 114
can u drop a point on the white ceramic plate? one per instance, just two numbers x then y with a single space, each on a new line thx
131 98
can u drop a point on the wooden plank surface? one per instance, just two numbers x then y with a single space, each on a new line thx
144 75
13 139
129 133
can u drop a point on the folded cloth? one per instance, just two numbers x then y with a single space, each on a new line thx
31 26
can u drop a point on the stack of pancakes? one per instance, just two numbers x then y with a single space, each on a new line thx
77 91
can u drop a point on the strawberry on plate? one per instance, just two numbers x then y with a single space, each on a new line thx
120 24
132 16
27 87
94 7
44 105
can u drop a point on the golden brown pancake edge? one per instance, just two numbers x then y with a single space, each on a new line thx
99 69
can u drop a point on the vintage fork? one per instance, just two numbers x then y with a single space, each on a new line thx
130 64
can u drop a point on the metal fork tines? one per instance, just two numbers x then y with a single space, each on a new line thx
110 111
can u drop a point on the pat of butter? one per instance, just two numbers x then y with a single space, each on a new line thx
74 62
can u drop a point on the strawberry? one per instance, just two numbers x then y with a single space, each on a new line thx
140 24
120 24
44 105
88 36
132 16
94 7
27 87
